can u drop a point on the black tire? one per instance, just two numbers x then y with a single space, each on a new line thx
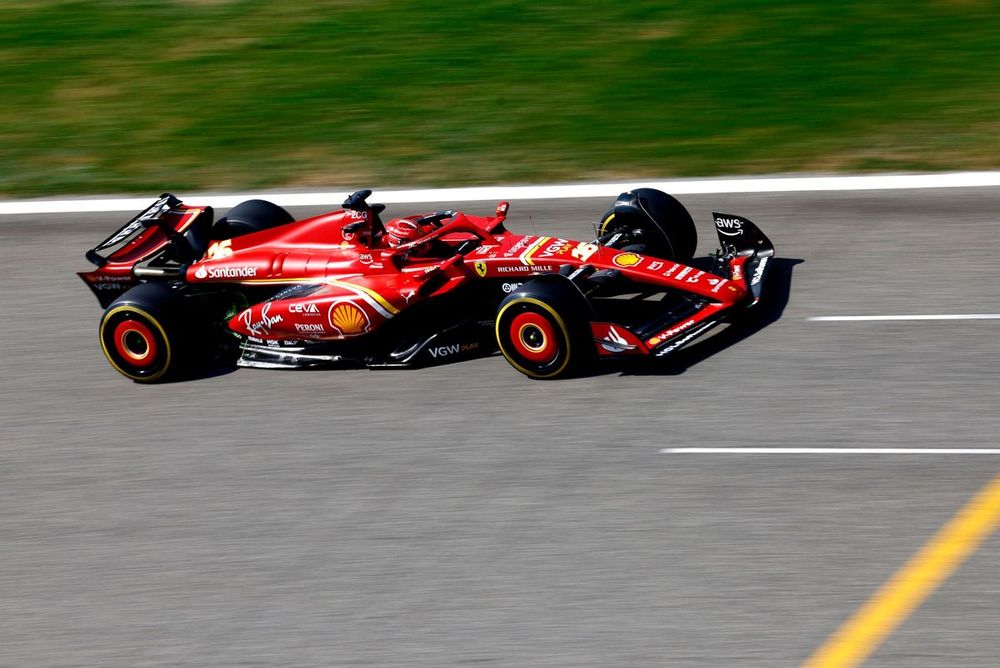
145 334
668 230
253 215
543 328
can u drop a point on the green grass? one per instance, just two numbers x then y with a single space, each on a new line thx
116 96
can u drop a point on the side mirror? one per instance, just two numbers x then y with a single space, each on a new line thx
356 201
354 227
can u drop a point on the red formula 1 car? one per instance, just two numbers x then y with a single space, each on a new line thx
182 292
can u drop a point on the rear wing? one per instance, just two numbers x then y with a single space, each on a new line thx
130 230
166 233
749 250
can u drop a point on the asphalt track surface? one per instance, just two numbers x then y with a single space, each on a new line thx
464 515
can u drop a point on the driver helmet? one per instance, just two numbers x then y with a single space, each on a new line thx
399 231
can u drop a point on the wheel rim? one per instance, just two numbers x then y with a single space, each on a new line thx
135 343
534 338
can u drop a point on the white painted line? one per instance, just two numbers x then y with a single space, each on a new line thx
876 318
830 451
496 193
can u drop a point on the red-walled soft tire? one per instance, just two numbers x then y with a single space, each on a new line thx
543 329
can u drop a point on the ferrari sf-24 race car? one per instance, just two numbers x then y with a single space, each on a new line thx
183 293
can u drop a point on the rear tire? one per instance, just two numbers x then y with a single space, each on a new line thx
667 229
144 335
543 328
253 215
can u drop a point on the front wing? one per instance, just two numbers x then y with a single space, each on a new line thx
709 298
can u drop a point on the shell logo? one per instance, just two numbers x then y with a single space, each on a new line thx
626 259
348 319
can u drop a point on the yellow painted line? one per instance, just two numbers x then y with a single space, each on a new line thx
911 585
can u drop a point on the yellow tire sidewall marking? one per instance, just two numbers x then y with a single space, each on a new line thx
604 225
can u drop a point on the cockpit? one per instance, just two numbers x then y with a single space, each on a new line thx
441 234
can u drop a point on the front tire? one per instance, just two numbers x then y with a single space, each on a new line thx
543 330
666 228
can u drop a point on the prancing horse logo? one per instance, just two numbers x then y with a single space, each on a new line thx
480 268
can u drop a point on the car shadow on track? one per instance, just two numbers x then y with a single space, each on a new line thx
205 374
222 364
767 312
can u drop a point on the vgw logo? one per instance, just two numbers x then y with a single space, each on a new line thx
453 349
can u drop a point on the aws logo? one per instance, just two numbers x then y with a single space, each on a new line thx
730 227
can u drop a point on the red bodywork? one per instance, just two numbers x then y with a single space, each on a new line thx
359 286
